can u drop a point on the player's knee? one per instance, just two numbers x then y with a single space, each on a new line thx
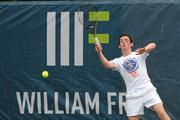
163 115
133 118
160 113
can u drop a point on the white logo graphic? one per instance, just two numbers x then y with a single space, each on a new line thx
64 39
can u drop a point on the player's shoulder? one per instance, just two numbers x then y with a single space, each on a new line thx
134 53
117 59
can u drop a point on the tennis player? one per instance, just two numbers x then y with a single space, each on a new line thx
140 92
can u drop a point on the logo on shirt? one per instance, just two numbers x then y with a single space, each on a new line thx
130 65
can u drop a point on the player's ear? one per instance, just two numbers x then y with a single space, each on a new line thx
132 44
119 46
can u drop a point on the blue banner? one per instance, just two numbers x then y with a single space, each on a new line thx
47 36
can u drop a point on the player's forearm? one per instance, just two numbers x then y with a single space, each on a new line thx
103 60
149 47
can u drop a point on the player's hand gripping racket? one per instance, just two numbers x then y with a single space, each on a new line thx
87 24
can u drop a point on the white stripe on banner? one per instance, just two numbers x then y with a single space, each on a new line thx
64 39
51 33
78 41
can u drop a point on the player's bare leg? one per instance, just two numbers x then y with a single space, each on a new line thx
133 118
159 109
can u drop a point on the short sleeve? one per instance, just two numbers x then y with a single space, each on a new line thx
144 55
116 63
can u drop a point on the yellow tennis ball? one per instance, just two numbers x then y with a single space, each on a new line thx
45 74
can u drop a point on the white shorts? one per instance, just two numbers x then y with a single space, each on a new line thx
135 102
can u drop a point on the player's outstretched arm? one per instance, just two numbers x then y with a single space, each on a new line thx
102 58
148 48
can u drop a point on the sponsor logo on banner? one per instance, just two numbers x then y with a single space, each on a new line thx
65 31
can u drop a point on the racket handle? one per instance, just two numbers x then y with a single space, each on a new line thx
96 40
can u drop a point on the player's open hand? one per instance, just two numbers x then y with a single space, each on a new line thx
140 51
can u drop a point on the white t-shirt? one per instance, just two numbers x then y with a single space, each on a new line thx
134 71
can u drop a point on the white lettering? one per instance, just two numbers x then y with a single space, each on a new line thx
30 104
46 111
93 103
110 103
75 106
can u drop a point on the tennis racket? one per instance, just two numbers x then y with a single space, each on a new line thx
91 26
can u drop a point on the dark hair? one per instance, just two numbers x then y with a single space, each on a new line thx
127 35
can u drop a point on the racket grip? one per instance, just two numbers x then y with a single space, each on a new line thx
96 40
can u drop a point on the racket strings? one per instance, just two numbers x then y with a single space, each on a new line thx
91 26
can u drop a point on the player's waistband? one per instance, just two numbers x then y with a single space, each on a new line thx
139 91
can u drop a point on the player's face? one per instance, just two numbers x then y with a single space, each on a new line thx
125 43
